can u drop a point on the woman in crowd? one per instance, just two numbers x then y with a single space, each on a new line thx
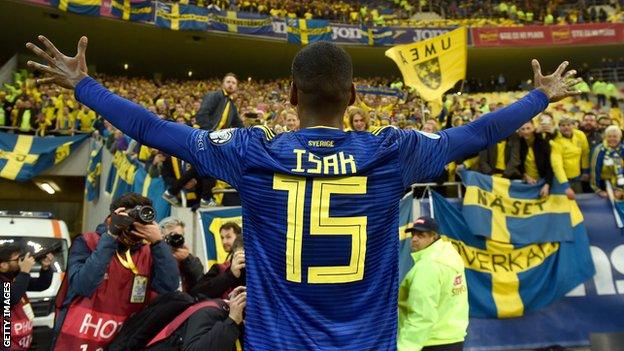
358 120
607 164
535 158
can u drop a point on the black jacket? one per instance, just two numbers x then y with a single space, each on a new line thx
24 282
541 150
211 110
489 156
213 284
191 270
207 329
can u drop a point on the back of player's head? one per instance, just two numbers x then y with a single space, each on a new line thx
323 70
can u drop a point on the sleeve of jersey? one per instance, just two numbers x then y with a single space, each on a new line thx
135 120
422 156
219 154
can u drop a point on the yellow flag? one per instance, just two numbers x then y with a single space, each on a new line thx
433 66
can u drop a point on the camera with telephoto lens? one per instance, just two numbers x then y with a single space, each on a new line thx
175 240
143 214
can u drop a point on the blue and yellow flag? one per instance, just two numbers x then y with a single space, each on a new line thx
212 221
82 7
94 170
181 17
513 212
23 157
241 22
133 10
376 36
152 188
121 175
433 66
301 31
507 280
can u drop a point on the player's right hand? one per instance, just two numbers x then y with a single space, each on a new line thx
61 69
26 263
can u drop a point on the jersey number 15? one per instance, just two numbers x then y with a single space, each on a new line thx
322 224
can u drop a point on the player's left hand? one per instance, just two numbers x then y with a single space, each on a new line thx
61 69
558 85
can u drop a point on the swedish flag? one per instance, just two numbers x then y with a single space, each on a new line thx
507 280
94 170
152 188
121 175
241 22
82 7
301 31
181 17
133 10
23 157
211 222
513 212
376 36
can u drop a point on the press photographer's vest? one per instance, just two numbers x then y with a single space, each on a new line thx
91 323
21 324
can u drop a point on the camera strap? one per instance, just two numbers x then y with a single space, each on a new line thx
139 284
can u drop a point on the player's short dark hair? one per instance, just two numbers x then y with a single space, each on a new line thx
323 70
8 250
233 226
129 201
230 74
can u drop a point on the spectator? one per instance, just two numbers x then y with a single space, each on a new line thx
217 111
535 158
604 122
607 164
190 266
112 274
589 126
15 269
358 120
213 325
433 297
572 155
502 159
221 279
291 120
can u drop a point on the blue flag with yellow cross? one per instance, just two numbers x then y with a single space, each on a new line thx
507 280
133 10
121 175
241 22
304 32
23 157
511 211
81 7
181 17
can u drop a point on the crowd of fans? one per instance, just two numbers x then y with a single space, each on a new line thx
475 13
45 110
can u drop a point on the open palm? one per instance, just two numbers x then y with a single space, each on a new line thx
60 69
558 85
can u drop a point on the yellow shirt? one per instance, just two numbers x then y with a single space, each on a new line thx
86 120
500 155
571 154
530 167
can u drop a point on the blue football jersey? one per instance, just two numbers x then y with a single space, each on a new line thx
320 219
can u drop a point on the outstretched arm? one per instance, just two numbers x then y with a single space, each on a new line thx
130 118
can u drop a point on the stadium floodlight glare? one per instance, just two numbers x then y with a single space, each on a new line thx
126 66
49 187
190 73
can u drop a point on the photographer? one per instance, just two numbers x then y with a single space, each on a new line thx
191 268
112 274
222 278
15 270
208 325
